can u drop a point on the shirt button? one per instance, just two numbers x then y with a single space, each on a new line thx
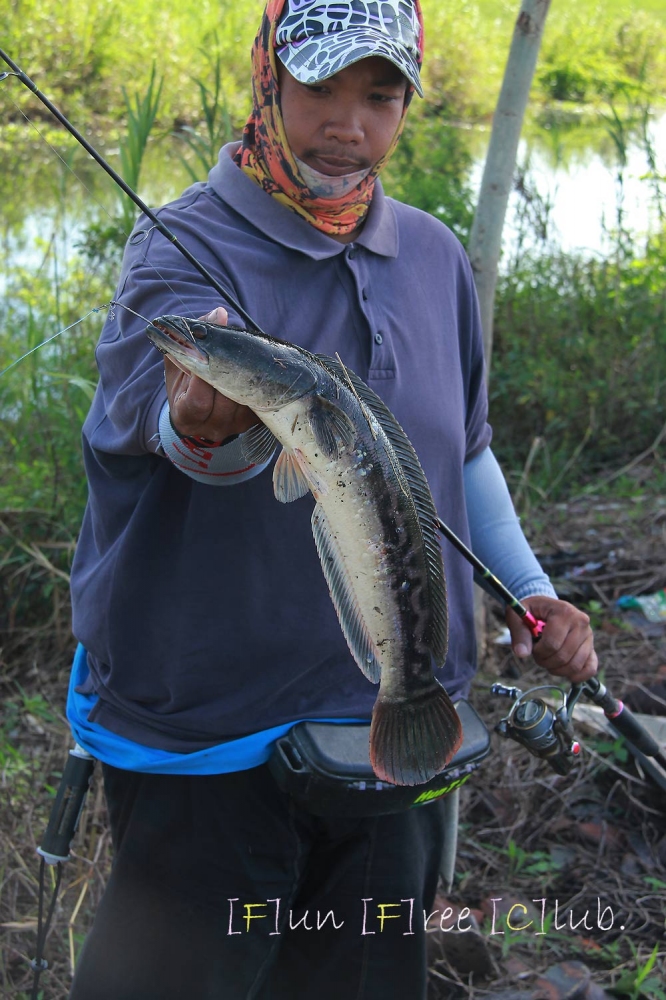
351 254
365 295
378 338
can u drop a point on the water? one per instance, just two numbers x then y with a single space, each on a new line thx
571 171
575 175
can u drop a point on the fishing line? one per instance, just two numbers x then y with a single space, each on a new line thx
111 305
48 340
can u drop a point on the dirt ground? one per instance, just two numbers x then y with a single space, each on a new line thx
590 844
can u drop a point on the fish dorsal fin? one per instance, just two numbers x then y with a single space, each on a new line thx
344 599
418 485
331 428
258 444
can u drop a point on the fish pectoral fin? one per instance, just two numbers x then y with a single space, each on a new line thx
289 479
332 429
344 599
412 740
258 444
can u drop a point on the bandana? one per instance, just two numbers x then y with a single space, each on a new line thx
265 156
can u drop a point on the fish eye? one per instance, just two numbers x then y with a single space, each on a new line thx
198 331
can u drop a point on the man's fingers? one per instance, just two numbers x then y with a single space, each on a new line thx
197 400
219 316
579 667
566 646
564 643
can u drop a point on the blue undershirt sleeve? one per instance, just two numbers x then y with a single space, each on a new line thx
495 532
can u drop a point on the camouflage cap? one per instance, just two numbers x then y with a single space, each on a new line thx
316 40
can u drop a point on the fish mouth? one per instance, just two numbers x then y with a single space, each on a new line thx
177 340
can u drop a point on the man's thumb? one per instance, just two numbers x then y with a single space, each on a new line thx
521 637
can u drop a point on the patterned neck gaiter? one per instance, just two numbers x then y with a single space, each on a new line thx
265 156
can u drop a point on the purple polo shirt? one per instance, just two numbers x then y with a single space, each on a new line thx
204 610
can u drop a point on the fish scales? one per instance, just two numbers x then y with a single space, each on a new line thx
373 523
365 499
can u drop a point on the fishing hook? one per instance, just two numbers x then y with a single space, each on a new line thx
114 302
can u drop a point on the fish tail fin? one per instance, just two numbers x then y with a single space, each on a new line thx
413 740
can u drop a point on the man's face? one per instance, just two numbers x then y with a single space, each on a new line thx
346 123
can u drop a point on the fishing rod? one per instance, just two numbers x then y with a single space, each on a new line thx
536 626
532 722
115 176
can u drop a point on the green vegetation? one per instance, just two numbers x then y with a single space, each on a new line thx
84 55
580 362
639 983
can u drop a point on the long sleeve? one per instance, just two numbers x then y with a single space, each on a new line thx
496 535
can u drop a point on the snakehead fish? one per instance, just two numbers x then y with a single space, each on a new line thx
373 522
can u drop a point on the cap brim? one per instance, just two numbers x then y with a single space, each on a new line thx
322 56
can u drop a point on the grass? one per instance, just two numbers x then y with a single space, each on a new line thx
84 55
504 13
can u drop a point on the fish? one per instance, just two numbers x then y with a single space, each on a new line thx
374 522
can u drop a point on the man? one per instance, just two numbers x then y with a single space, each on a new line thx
206 627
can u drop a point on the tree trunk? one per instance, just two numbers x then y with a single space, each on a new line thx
486 235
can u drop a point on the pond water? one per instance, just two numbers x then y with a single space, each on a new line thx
571 173
574 173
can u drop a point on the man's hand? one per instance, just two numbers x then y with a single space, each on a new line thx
198 410
566 646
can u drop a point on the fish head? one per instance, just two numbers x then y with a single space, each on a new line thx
252 369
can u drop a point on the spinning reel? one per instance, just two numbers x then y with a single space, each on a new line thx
548 733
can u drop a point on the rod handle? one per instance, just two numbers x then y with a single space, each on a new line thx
67 807
622 719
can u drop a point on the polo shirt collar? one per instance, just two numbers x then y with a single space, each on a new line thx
379 234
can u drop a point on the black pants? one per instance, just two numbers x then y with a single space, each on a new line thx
222 890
